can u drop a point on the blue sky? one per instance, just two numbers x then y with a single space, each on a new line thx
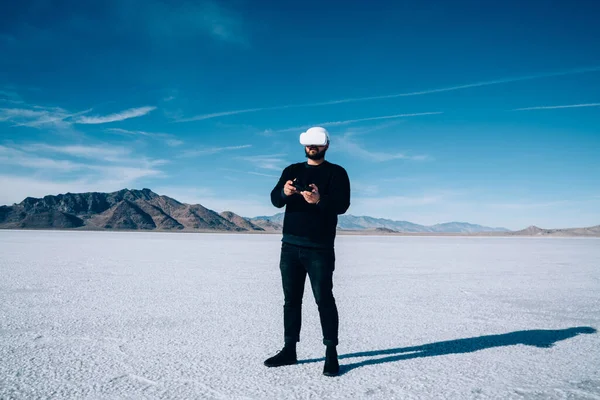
483 112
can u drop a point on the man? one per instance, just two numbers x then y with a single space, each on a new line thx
314 194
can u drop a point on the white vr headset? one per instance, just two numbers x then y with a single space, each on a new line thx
316 136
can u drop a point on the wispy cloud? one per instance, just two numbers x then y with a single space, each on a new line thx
353 121
212 150
12 101
18 187
224 113
170 140
465 86
347 144
106 153
174 142
8 114
120 116
35 116
14 157
70 168
366 189
359 131
274 162
267 133
38 116
220 114
250 205
387 206
239 171
396 95
557 107
38 155
127 174
260 174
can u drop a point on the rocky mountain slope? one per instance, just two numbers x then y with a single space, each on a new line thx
125 209
240 221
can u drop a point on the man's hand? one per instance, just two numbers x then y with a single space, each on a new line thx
289 188
312 197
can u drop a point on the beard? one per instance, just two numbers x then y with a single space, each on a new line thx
319 155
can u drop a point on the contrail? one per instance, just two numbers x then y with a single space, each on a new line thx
120 116
391 96
555 107
221 114
466 86
351 121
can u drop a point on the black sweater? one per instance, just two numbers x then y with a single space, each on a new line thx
313 225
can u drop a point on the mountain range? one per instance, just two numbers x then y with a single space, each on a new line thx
131 209
351 222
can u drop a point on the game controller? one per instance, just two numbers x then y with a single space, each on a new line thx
300 187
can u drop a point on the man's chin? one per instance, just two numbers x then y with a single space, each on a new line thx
316 156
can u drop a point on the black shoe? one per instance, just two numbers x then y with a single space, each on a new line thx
287 356
332 367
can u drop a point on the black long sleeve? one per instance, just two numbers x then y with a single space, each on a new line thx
338 199
308 224
278 198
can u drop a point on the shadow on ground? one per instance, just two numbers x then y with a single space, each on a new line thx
538 338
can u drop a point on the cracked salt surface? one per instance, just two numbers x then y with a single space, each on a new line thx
113 315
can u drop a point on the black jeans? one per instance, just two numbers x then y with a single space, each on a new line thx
295 263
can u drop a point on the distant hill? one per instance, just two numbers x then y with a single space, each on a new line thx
536 231
351 222
125 209
131 209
